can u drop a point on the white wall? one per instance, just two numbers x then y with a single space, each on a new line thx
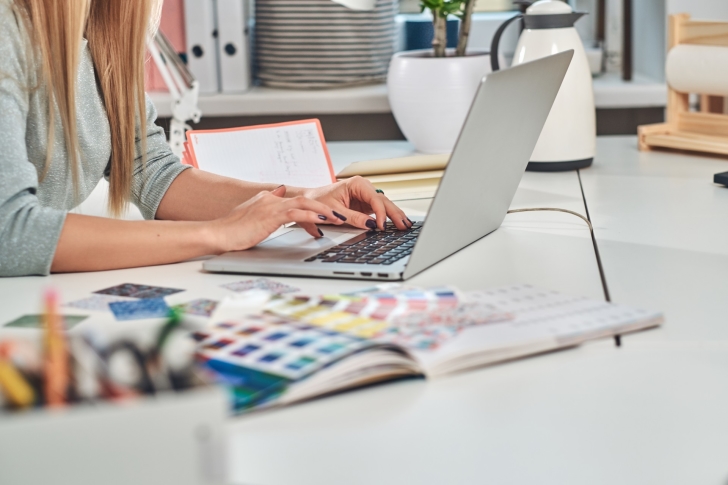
650 29
699 9
650 38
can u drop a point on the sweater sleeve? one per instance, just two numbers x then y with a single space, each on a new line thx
29 232
152 180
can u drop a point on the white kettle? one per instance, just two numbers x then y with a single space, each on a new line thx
568 139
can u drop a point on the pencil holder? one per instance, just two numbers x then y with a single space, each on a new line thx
170 438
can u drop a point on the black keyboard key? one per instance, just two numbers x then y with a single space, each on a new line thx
356 239
373 247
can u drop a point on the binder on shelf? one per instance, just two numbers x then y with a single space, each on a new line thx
233 45
172 25
201 30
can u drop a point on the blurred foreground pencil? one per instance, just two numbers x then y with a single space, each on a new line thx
12 384
55 365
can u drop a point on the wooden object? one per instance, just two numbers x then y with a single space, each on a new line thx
705 130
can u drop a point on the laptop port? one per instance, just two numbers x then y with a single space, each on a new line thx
366 274
383 275
344 272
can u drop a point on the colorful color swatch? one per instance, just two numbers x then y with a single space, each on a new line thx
261 284
38 321
275 345
201 307
99 303
139 309
133 290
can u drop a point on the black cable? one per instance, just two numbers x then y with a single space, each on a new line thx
617 338
587 219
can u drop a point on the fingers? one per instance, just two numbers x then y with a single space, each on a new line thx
324 213
382 207
380 212
306 220
357 219
312 229
396 214
279 191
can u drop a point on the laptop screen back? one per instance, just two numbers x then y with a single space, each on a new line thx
495 145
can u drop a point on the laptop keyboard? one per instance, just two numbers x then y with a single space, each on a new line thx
373 247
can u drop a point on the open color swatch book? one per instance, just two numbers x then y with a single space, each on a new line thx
304 347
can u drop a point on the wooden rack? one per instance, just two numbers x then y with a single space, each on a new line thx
705 130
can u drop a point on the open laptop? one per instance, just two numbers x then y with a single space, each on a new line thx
481 178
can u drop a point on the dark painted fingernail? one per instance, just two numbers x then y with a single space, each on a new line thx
338 215
410 221
279 187
323 218
408 225
321 233
371 224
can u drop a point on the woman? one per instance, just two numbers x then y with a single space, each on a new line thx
71 102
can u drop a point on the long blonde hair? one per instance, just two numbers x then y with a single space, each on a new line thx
116 31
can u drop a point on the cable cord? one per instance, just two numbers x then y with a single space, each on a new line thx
617 338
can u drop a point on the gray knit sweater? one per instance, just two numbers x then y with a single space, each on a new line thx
32 212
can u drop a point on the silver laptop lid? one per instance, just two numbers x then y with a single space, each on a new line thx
489 159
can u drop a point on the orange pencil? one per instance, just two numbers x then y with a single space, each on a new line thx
55 365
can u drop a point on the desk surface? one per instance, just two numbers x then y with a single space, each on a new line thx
650 412
662 227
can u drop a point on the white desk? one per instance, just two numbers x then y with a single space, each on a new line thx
650 412
585 416
662 227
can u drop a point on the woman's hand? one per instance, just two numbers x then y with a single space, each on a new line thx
355 198
253 221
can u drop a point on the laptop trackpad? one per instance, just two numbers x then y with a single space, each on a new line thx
298 244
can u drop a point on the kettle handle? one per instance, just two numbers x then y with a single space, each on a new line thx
495 66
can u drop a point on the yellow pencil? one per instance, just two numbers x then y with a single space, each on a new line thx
55 365
13 385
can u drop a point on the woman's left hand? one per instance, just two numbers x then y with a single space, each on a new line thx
354 199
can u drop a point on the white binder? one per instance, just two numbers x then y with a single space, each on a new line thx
201 33
233 45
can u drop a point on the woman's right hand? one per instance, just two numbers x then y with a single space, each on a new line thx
253 221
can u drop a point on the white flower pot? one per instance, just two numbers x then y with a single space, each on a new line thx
430 96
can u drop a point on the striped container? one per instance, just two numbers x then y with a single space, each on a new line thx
322 44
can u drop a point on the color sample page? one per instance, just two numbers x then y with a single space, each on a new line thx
286 153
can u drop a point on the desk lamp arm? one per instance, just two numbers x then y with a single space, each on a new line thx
183 88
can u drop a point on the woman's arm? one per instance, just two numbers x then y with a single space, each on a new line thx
94 243
196 195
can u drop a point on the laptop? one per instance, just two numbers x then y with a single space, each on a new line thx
490 156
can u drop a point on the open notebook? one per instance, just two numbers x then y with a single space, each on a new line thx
291 153
302 347
295 154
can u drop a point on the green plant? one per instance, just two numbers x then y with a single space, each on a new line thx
440 9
